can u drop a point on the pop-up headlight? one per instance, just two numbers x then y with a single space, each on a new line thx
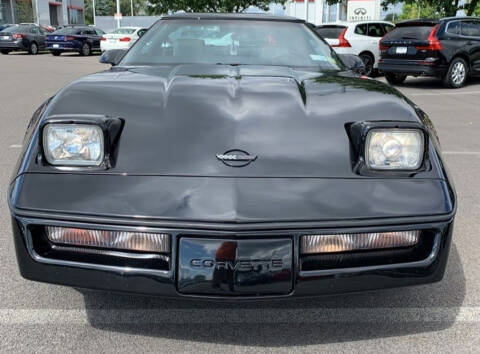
394 149
73 144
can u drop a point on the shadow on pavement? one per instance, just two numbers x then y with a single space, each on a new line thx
433 83
66 54
437 306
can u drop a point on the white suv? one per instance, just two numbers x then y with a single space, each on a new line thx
360 38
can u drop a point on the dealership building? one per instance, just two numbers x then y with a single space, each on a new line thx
45 12
319 12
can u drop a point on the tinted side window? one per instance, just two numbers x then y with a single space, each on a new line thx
99 32
455 27
375 30
89 32
361 29
387 27
471 28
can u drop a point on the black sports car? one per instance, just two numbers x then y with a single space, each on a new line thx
231 156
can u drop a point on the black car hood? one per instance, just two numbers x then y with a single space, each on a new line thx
178 118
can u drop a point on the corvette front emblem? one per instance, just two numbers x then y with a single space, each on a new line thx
236 158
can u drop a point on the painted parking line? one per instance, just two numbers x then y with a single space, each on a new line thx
219 316
15 146
445 93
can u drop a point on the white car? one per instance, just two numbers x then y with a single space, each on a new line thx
121 38
360 38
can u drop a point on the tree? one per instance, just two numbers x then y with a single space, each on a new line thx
441 7
477 11
420 10
158 7
102 8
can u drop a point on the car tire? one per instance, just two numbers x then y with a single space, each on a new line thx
369 61
395 79
457 74
5 52
33 49
56 53
86 51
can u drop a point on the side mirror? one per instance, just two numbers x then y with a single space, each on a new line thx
112 56
353 62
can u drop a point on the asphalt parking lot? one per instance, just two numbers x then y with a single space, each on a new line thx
443 317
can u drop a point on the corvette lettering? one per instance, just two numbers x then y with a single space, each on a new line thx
238 265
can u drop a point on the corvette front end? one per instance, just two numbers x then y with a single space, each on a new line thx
230 181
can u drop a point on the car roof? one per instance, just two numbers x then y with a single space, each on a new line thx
419 21
460 18
232 16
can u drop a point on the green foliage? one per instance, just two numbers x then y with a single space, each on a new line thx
419 10
440 7
476 12
158 7
102 8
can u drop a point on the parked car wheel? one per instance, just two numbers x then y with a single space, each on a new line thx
56 53
33 50
85 50
4 52
369 61
395 79
457 74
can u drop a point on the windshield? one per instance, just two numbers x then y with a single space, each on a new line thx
234 42
330 31
124 31
409 32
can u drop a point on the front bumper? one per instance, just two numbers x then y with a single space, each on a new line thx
309 277
411 67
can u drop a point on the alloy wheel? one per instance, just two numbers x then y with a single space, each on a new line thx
33 49
458 73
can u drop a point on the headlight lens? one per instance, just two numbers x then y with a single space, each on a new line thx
122 240
73 144
394 149
358 242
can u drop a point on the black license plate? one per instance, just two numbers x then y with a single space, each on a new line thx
235 267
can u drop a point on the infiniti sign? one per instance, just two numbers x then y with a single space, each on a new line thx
360 11
364 10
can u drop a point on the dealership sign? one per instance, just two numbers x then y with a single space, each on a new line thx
361 10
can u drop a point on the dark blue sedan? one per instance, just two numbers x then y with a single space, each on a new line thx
81 39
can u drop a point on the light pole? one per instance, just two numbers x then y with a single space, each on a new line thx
118 12
131 6
13 11
94 20
36 11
